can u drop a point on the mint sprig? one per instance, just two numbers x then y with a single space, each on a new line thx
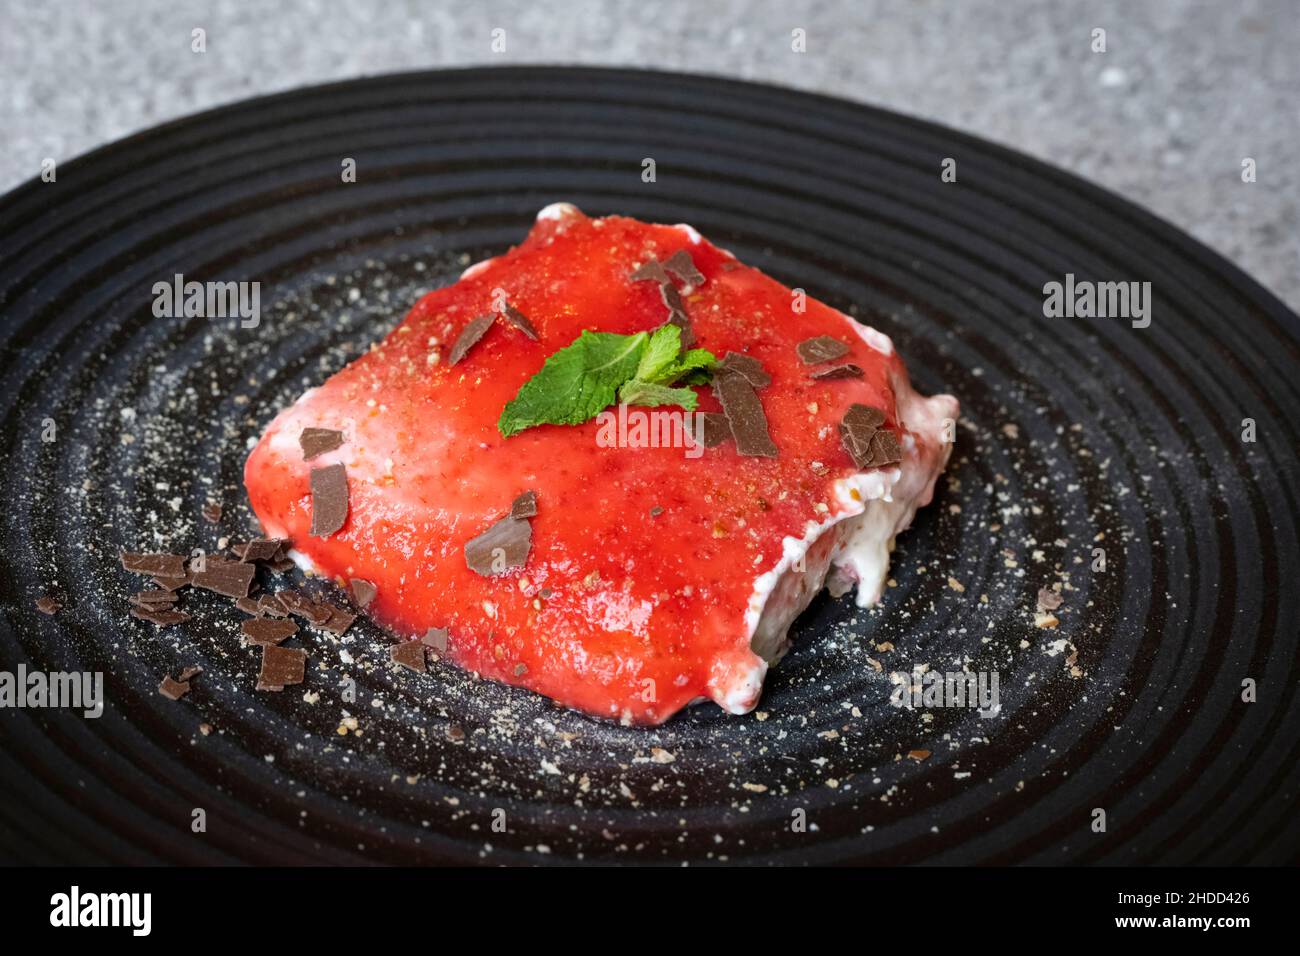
581 380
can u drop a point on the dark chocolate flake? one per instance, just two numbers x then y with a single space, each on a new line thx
410 654
885 449
436 638
317 441
211 512
161 617
746 365
229 578
525 506
173 689
672 298
265 630
249 606
716 428
173 584
270 604
837 371
157 565
301 606
503 546
155 597
281 666
653 269
339 620
745 415
329 500
867 444
679 318
823 348
469 337
682 265
519 321
260 549
47 604
363 592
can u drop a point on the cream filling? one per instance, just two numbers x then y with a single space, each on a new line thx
851 547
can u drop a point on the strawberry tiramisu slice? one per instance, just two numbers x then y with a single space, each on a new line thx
611 466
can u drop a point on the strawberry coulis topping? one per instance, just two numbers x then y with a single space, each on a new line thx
633 599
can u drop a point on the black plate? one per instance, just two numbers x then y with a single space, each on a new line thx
1077 434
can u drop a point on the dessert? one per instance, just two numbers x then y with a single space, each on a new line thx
611 466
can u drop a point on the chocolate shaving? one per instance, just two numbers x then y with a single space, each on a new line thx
519 321
249 606
281 666
469 337
155 597
173 584
653 269
363 592
885 449
436 638
160 616
157 565
410 654
173 689
746 365
525 506
837 371
682 265
265 630
229 578
339 620
270 604
823 348
260 549
672 298
317 441
867 444
329 500
683 322
47 604
503 546
716 428
744 415
1049 600
211 512
189 673
301 606
677 313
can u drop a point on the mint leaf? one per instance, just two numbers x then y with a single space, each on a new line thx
581 380
576 383
637 392
660 355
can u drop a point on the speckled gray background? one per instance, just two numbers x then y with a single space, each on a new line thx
1186 89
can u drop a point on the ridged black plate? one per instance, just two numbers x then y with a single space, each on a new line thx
1077 434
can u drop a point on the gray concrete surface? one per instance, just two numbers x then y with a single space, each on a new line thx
1185 90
